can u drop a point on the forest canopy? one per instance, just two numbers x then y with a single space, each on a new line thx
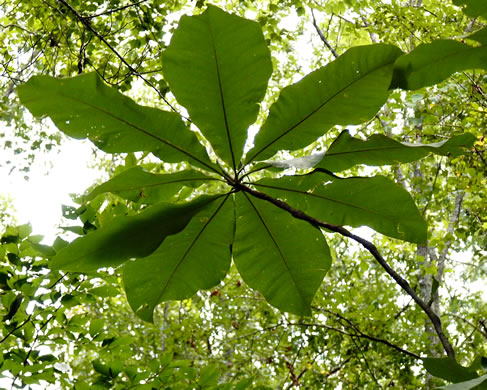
295 195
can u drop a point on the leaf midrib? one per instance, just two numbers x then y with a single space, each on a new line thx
222 96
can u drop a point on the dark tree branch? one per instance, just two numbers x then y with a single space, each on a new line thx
435 320
359 334
15 329
483 332
322 37
87 24
111 11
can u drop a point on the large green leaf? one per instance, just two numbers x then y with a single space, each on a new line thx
127 237
284 258
196 258
473 8
84 107
346 151
432 63
477 383
136 184
217 66
448 369
349 90
376 202
479 36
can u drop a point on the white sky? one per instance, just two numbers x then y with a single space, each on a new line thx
39 199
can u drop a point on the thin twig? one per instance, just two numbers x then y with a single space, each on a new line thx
322 37
111 11
435 320
87 24
15 329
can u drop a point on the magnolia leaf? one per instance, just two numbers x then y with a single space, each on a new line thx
347 151
471 384
217 66
127 237
136 184
432 63
84 107
473 8
347 91
305 162
376 202
479 36
196 258
283 257
448 369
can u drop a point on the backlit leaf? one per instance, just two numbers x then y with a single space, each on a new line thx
448 369
349 90
127 237
347 151
376 202
217 66
136 184
84 107
432 63
196 258
473 8
284 258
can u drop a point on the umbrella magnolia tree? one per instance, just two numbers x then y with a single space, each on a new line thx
231 197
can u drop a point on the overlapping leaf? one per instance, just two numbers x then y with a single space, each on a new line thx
217 66
136 184
349 90
197 258
448 369
84 107
127 237
479 383
376 202
347 151
479 36
432 63
473 8
284 258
